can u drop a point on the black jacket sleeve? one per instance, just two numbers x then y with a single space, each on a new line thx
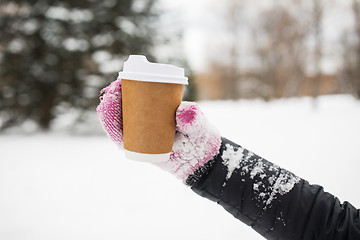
273 201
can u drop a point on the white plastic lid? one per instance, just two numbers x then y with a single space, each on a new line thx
137 67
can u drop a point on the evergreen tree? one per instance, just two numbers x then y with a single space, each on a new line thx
55 55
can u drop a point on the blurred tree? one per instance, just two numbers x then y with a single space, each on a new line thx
350 71
190 91
356 70
318 12
231 18
232 75
280 47
55 55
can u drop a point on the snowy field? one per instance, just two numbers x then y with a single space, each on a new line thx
60 186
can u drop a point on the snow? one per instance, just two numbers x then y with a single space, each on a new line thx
265 186
196 141
285 182
231 159
63 186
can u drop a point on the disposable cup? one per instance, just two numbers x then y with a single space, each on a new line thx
151 93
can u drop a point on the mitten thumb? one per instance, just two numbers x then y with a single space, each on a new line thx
196 142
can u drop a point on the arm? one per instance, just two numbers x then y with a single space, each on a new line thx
274 202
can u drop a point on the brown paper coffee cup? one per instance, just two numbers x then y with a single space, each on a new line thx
149 102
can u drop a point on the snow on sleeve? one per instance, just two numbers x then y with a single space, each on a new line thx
268 179
231 159
284 183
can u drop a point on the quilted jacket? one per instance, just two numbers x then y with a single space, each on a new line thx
273 201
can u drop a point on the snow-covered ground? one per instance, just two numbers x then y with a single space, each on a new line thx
62 186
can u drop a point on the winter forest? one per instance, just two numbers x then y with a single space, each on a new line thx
57 55
281 78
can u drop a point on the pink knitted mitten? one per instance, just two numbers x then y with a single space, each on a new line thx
196 141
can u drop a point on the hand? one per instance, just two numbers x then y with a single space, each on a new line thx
195 143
